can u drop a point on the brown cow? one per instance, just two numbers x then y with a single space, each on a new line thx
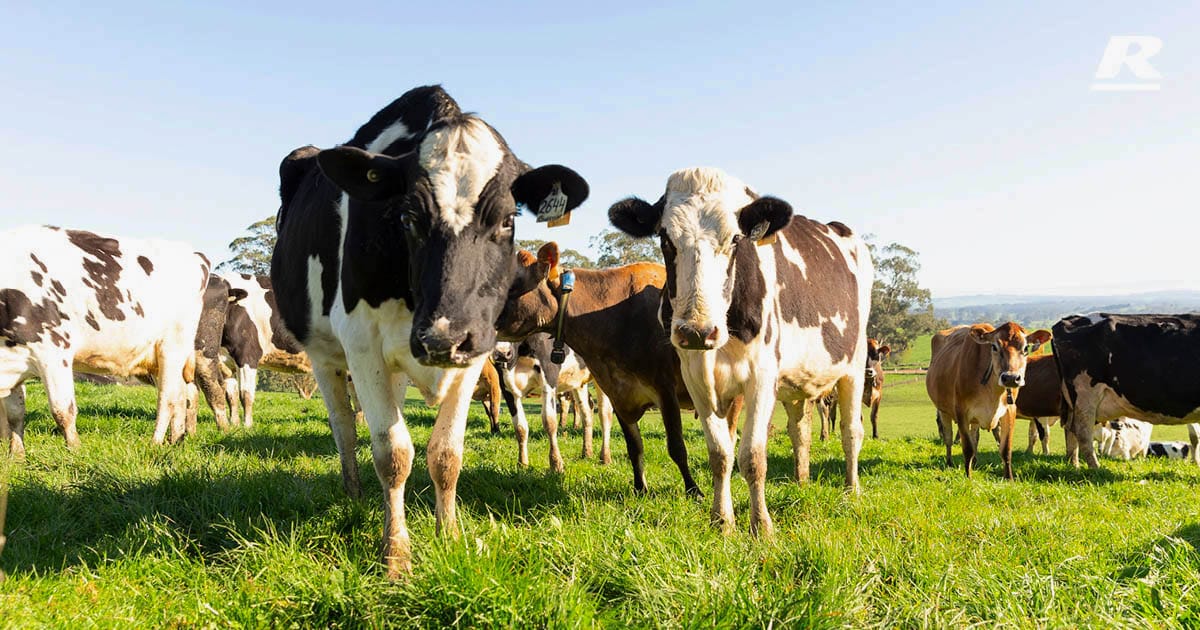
973 377
487 391
612 321
1038 401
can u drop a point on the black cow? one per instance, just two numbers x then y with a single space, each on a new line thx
401 277
1144 366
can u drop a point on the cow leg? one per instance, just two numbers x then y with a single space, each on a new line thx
1072 443
12 422
492 403
946 430
581 404
833 414
60 392
635 449
1194 438
852 428
391 449
1033 433
676 448
821 413
231 401
970 439
516 409
444 453
208 379
799 415
550 422
332 383
720 462
248 382
1007 425
606 418
752 454
875 420
731 417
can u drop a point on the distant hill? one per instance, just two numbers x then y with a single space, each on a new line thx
1045 310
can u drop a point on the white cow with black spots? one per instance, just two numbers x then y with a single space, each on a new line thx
72 300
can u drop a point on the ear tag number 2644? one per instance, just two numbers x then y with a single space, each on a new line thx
553 209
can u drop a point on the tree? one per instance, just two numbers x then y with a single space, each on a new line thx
252 252
566 257
618 248
901 310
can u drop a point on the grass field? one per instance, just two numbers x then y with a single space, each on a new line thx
251 528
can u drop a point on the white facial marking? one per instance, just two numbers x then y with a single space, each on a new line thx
700 219
460 161
392 133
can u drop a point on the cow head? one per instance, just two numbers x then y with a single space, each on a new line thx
453 192
533 297
702 219
876 353
1010 346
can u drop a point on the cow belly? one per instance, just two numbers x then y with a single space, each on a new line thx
1108 404
288 362
806 369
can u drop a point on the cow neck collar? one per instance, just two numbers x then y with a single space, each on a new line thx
558 354
1008 391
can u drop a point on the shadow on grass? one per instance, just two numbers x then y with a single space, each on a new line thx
107 515
1143 560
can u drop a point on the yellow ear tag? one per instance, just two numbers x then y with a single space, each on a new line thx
372 175
770 240
563 220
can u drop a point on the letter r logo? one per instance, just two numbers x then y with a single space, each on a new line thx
1133 52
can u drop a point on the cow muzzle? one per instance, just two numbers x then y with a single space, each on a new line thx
441 348
1012 379
871 376
695 337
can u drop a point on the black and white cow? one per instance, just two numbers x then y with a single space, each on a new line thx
762 303
1144 366
72 300
255 337
401 279
527 369
219 300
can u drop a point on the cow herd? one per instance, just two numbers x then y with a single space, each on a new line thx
395 265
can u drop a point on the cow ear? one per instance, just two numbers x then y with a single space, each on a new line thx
884 351
764 217
237 295
1037 338
635 217
532 187
979 335
362 175
547 259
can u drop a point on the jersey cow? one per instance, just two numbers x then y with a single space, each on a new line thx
1144 366
254 337
975 374
395 254
872 392
219 298
762 303
72 300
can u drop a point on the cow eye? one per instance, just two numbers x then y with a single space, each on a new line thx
1028 348
508 222
995 346
406 220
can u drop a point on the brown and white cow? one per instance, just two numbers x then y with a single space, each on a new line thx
1144 366
612 321
758 303
72 300
255 338
488 392
974 376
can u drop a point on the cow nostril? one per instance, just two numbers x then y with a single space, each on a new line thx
713 333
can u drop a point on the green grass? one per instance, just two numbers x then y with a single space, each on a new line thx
252 529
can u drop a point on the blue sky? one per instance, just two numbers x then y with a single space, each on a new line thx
967 133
